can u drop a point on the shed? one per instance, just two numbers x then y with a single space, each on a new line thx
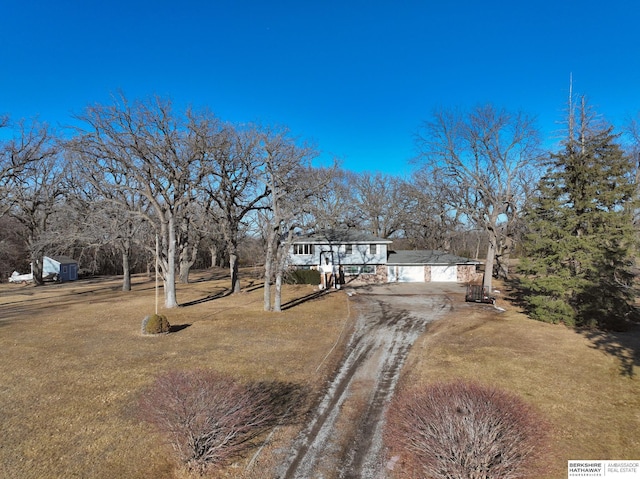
60 268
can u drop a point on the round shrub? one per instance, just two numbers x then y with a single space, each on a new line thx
463 430
155 324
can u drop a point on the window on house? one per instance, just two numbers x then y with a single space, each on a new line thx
352 270
302 249
373 248
348 249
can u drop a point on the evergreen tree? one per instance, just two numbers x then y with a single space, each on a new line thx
580 237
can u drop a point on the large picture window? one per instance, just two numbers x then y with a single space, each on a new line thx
353 270
302 249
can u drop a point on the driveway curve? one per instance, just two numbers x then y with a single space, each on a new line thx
343 439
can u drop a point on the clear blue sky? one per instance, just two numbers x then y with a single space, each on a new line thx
355 77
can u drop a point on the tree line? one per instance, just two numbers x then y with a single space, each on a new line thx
133 171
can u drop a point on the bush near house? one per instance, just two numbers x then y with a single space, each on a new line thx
303 276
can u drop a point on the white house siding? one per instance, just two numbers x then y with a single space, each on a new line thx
337 255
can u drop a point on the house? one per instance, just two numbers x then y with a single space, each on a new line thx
342 254
353 256
60 268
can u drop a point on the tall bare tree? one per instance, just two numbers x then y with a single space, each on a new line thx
235 162
381 202
483 158
34 188
144 148
292 182
334 209
431 219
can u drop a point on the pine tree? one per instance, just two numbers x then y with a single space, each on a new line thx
581 239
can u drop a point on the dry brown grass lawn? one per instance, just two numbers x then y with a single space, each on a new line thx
73 362
590 396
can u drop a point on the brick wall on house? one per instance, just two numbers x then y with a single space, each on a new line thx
467 274
380 276
427 274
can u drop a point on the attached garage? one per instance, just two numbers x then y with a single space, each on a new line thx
405 274
421 266
445 274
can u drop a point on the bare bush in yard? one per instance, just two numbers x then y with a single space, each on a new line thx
464 430
209 418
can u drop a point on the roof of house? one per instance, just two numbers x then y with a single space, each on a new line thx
420 257
340 237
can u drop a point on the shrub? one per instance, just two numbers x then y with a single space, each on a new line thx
207 417
464 431
155 324
303 276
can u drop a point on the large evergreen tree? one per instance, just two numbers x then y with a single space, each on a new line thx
580 242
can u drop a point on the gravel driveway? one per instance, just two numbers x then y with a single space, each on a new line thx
344 437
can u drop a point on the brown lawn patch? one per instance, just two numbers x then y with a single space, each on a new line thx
74 361
588 392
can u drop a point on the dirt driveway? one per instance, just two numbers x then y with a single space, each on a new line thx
344 436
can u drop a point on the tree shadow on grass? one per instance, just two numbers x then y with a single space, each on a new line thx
304 299
514 292
174 328
206 299
625 346
288 401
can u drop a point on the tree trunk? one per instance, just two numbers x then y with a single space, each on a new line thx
213 250
268 274
488 265
277 300
183 274
36 262
170 300
188 256
233 268
126 271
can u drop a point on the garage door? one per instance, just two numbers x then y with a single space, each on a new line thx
444 273
405 274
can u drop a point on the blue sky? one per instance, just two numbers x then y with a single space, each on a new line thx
355 77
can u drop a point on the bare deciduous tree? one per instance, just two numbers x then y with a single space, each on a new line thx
334 209
381 202
431 221
34 187
483 159
158 154
235 162
292 182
